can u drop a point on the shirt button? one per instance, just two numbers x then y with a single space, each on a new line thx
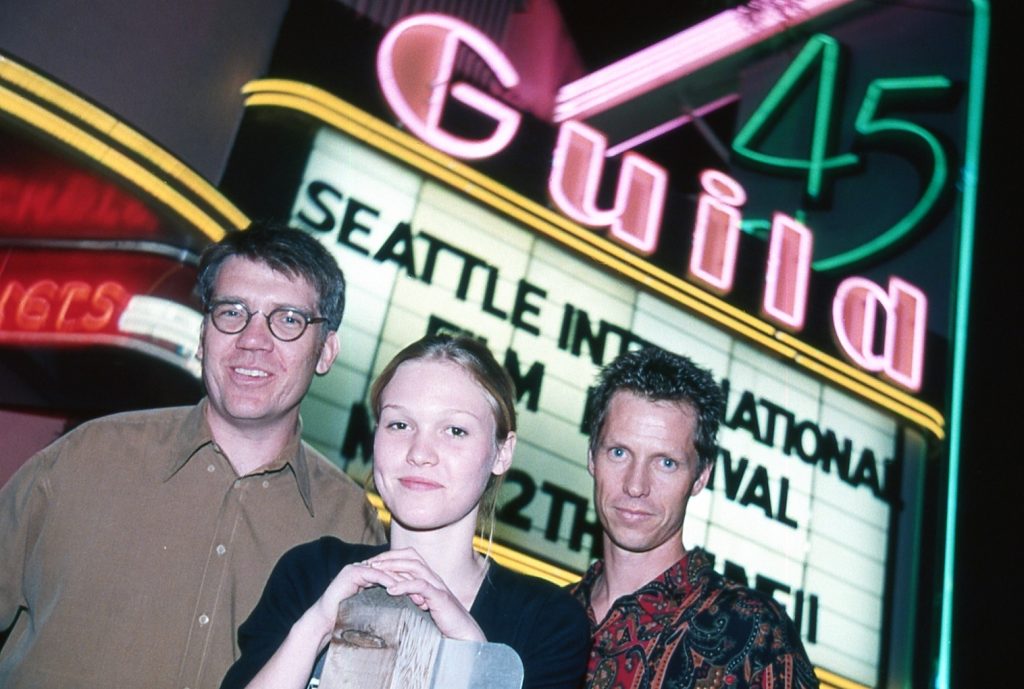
204 620
266 484
221 550
211 468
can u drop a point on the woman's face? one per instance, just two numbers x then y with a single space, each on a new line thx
434 450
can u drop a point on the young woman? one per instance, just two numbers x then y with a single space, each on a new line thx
445 436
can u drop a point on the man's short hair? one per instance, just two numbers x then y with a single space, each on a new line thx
286 250
656 375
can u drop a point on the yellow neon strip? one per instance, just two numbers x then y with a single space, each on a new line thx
49 92
830 680
512 559
345 117
877 397
849 371
111 158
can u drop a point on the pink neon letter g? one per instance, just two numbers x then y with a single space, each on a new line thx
414 66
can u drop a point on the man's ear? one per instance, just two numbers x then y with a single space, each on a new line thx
503 460
590 461
702 479
328 353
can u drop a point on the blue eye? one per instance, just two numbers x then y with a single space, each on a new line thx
668 463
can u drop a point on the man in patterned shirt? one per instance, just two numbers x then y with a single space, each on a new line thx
661 616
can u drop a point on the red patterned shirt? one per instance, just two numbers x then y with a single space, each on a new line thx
692 628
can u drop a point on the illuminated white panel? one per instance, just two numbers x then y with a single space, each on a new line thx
679 331
557 460
835 524
568 274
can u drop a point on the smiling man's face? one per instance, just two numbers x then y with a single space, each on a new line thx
253 380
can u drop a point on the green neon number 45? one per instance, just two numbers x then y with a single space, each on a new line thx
824 52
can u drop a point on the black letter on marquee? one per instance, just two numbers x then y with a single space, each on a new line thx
745 416
397 248
523 307
528 385
358 438
349 225
580 525
512 511
314 191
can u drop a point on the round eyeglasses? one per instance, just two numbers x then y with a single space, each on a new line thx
286 324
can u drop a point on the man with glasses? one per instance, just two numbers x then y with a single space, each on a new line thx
132 548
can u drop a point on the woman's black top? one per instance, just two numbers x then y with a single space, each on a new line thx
542 622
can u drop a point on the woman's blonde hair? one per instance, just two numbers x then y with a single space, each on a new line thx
500 391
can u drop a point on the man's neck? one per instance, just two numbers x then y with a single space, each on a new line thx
250 449
626 571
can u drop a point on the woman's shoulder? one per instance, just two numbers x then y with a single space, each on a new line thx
529 597
545 625
512 583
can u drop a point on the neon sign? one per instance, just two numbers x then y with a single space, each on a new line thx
75 297
65 201
60 307
635 219
821 56
415 64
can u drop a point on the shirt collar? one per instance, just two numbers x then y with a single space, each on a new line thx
196 434
675 582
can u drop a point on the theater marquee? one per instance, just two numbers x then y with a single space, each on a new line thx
819 318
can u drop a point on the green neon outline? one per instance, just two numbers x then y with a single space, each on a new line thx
827 49
965 258
867 126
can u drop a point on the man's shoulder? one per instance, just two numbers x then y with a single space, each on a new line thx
112 437
327 476
139 420
725 593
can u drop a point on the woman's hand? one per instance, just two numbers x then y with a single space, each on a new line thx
349 581
413 577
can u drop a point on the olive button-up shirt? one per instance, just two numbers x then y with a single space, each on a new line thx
130 551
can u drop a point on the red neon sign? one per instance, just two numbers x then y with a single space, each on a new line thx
68 201
74 297
74 306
